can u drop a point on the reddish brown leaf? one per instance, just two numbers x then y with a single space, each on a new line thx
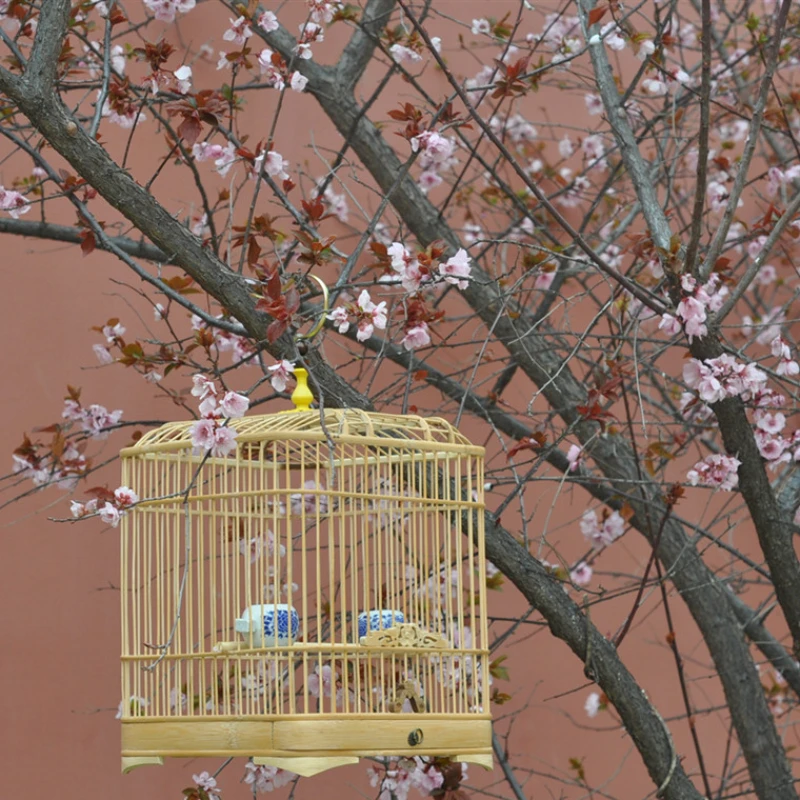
189 130
596 14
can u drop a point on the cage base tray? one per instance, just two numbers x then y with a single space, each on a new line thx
306 745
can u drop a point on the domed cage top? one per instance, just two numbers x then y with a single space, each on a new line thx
316 596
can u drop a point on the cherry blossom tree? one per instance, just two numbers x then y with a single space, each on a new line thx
600 288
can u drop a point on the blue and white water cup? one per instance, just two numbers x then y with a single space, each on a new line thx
378 619
270 623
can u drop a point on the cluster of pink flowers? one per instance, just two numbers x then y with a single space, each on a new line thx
367 314
266 779
13 202
768 326
300 503
272 69
778 178
692 311
786 365
166 10
399 776
310 33
337 202
71 466
256 546
210 433
416 336
274 165
208 783
602 534
223 156
322 11
111 511
238 32
716 470
455 270
404 56
436 155
717 378
95 420
240 347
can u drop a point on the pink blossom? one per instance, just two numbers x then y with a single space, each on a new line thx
544 279
110 515
566 147
224 441
338 204
594 104
97 419
406 265
298 81
202 387
113 332
165 10
183 79
670 325
772 448
271 73
83 509
125 496
239 31
480 26
429 180
280 374
208 406
575 457
274 165
654 86
202 433
715 470
308 502
600 536
611 36
208 783
581 574
268 22
72 410
770 422
234 405
456 269
320 681
322 11
436 148
266 779
417 337
693 314
404 56
13 202
338 316
372 316
102 353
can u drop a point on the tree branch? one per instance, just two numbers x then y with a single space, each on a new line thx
358 51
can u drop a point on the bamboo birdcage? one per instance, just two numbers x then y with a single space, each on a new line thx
361 536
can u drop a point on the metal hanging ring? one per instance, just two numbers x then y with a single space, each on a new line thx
415 737
325 307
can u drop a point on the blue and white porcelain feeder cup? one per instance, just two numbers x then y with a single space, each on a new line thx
378 619
271 624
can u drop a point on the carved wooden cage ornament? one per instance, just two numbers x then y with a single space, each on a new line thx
316 596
